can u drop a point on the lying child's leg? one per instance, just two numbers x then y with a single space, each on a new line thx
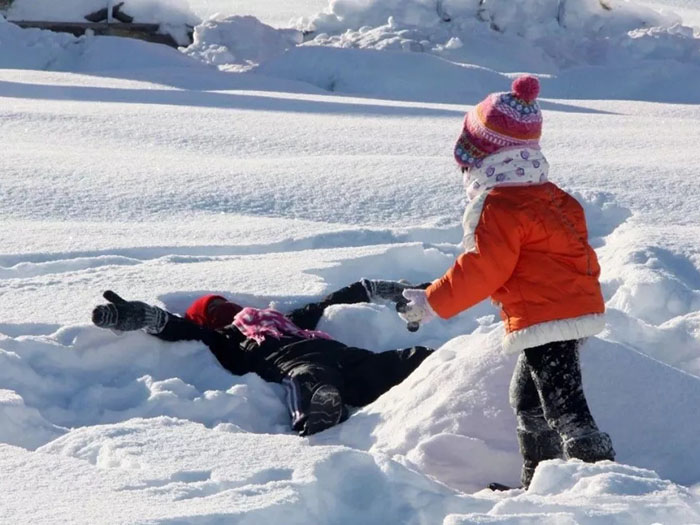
314 398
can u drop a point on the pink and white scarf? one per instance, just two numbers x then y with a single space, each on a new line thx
258 324
515 166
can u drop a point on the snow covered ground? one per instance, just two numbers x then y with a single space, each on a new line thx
149 171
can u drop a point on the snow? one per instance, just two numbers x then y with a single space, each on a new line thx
272 172
172 12
174 17
272 12
542 34
253 42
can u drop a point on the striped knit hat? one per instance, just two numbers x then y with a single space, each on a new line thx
500 121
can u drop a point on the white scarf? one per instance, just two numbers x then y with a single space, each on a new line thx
509 167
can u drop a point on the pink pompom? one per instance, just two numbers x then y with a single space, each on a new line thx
526 88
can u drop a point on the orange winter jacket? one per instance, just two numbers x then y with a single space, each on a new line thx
527 248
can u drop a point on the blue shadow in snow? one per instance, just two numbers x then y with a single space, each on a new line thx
209 99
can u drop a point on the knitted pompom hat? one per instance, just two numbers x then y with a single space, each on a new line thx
500 121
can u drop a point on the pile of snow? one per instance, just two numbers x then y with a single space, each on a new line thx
49 50
531 36
456 62
142 422
175 17
167 12
144 471
272 12
451 418
24 426
241 41
31 48
279 197
147 471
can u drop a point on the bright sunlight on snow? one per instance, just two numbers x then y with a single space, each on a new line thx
290 150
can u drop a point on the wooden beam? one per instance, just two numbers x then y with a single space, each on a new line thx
148 32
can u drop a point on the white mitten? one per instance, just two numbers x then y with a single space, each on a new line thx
417 310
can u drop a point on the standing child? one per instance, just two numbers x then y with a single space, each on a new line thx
526 246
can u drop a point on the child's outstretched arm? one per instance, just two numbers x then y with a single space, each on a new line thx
478 273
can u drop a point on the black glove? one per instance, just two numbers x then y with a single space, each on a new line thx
402 307
127 316
389 290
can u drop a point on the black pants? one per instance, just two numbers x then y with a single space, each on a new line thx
554 420
546 390
359 375
303 365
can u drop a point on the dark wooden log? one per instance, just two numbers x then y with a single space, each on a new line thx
147 32
103 14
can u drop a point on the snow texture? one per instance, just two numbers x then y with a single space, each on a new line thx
172 12
273 172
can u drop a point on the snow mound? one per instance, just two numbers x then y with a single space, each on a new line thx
240 40
532 36
23 425
173 16
250 478
31 48
451 418
40 49
566 494
170 12
358 71
138 381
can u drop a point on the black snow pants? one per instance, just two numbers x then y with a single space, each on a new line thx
553 417
302 366
360 376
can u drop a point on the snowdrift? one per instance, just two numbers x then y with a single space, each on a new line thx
449 421
451 418
171 13
642 54
543 33
270 186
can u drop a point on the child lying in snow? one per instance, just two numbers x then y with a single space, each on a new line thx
526 246
319 374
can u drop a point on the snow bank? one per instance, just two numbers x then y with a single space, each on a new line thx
428 78
174 16
126 377
240 40
451 418
31 48
576 493
170 12
147 471
533 35
370 72
23 425
217 445
48 50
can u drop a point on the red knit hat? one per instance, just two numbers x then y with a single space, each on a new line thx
501 120
212 311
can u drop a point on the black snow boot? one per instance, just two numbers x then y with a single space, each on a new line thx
325 410
591 447
536 447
